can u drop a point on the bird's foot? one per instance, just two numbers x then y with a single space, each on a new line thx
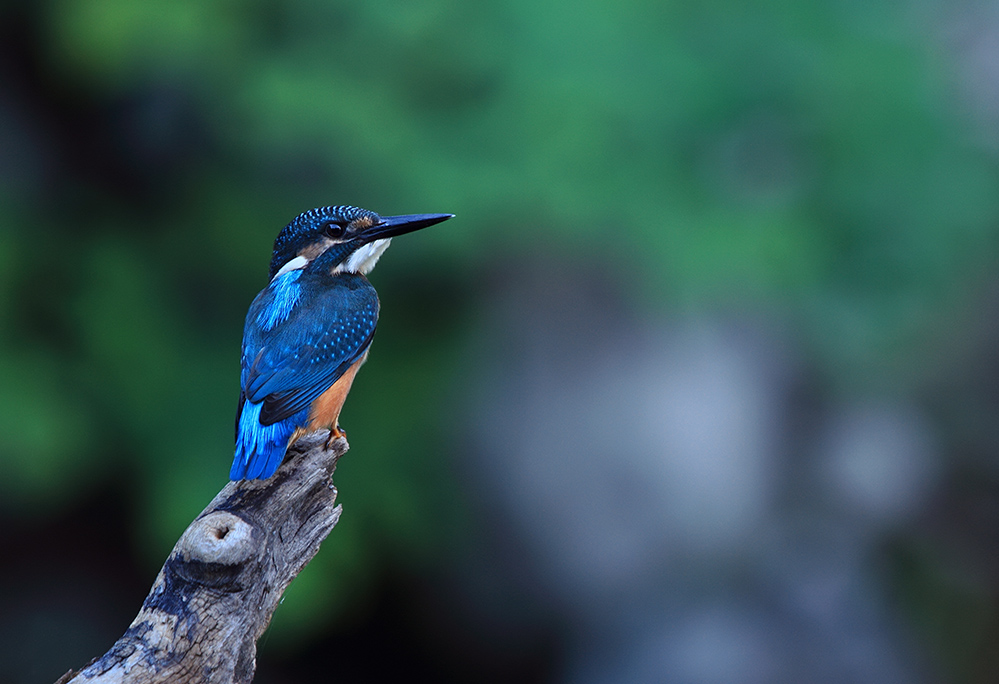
335 434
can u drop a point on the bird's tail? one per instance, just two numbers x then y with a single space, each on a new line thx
259 448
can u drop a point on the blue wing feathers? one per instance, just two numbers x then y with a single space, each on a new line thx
279 405
300 337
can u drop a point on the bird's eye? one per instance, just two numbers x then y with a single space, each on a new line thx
334 230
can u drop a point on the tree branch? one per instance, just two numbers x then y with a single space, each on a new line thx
217 590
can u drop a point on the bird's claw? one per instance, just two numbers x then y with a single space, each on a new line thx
335 434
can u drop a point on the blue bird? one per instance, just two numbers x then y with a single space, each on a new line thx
309 330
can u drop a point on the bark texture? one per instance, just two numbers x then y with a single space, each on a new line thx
215 594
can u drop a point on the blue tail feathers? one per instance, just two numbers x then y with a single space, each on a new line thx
259 448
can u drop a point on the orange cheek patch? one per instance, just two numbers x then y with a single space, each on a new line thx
362 223
315 249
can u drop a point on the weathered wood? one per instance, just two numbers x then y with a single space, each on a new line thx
217 590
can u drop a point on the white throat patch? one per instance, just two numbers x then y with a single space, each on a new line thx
365 258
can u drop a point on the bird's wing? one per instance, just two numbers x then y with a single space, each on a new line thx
290 365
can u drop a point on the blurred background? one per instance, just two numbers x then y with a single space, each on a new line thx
700 386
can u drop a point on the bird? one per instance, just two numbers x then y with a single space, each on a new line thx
307 333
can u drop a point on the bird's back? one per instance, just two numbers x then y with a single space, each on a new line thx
302 333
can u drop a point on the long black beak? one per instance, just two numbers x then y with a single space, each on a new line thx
390 226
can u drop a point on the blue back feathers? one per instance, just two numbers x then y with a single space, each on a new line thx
302 333
286 292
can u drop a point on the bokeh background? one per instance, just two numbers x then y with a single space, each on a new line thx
701 385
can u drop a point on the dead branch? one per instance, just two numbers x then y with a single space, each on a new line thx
218 589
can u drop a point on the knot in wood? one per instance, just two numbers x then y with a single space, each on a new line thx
218 537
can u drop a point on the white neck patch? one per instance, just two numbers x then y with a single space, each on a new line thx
365 258
293 265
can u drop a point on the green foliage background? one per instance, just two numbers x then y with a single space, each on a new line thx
824 160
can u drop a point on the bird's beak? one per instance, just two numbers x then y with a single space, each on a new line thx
390 226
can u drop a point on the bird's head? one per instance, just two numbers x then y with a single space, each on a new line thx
345 238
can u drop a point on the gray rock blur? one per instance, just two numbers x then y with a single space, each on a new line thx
657 486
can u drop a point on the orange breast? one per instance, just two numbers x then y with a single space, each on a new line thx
326 408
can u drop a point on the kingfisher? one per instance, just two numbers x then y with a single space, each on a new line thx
309 330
